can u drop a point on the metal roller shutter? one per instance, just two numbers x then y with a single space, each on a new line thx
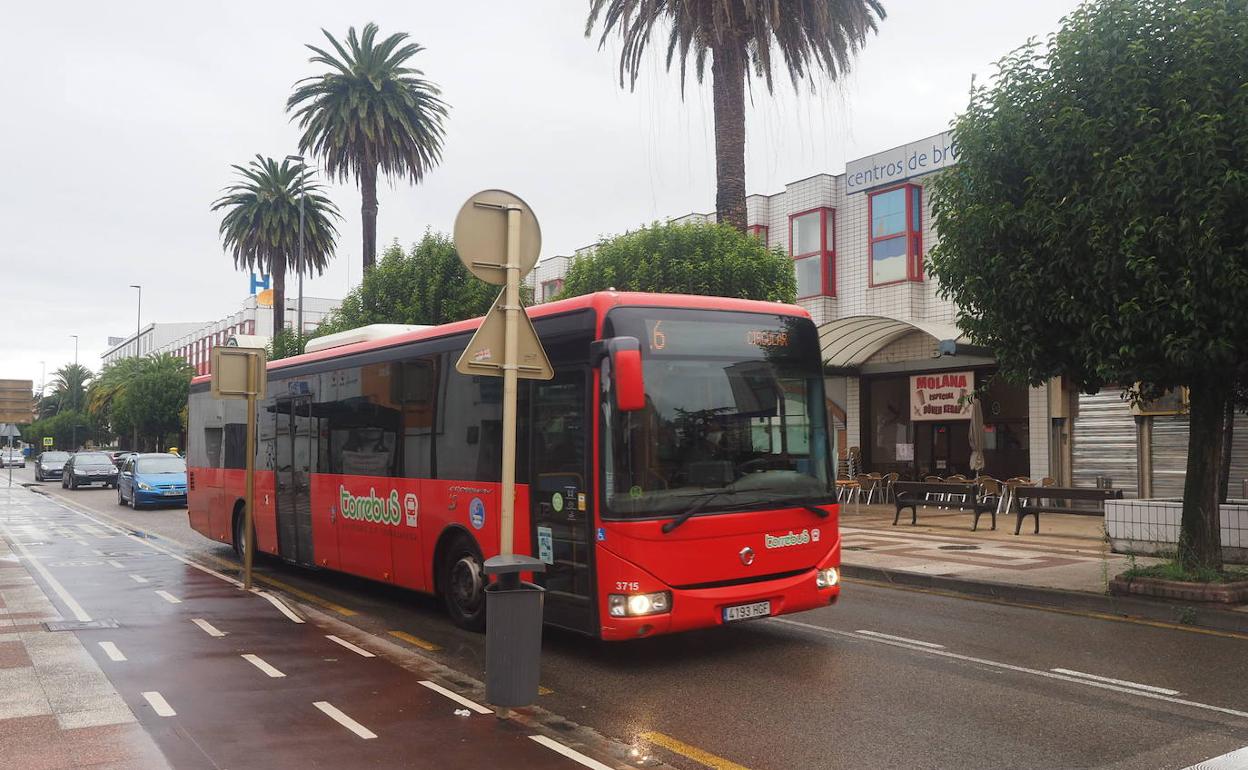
1105 441
1169 455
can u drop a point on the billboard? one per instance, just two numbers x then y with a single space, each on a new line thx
941 396
17 401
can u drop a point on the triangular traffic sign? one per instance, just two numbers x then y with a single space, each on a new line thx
484 354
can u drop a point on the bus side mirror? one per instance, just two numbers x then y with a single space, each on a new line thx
626 375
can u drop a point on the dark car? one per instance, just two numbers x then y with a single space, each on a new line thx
50 465
119 458
152 479
85 468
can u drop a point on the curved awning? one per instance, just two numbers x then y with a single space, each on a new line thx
848 343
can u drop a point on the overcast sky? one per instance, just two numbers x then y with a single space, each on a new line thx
120 122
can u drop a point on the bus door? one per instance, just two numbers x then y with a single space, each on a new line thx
295 450
559 497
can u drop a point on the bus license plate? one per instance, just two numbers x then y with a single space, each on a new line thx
747 611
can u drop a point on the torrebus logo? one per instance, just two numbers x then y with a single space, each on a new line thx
370 507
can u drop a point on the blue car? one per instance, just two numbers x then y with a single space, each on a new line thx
152 479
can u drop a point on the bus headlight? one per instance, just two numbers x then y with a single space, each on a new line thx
633 605
826 578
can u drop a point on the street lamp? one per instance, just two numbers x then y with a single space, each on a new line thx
303 193
74 441
138 315
138 350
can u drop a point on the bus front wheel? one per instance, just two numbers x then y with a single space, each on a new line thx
463 584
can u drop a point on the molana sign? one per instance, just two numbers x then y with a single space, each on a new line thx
901 163
944 396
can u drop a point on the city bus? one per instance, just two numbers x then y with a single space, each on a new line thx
674 474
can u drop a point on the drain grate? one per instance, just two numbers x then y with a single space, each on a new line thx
80 625
958 548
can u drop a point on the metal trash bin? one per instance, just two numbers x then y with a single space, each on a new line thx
513 631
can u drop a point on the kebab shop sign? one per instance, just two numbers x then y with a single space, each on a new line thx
943 396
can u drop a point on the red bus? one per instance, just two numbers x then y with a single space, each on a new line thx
692 490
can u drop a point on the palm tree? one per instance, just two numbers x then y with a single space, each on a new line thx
261 224
370 112
69 388
738 35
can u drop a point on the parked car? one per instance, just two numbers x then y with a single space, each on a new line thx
119 458
12 457
85 468
50 465
152 479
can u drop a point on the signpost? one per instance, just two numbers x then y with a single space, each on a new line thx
498 240
17 401
240 373
48 441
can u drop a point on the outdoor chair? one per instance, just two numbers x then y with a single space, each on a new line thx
866 485
933 480
888 493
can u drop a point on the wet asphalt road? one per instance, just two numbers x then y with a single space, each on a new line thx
886 678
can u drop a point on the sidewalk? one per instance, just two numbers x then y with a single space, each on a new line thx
174 665
1068 564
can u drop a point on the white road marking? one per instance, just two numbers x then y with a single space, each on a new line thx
571 754
159 704
344 720
139 579
932 645
115 563
357 650
53 583
1122 682
261 664
168 597
1011 667
112 652
278 604
207 627
461 700
188 562
1236 760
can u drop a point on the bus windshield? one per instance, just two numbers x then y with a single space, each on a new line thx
734 412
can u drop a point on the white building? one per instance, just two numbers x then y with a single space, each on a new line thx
194 341
896 362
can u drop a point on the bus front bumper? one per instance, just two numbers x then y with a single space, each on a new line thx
705 607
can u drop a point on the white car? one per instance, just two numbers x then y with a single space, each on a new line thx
12 458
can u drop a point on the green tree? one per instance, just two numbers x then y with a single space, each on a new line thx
261 224
69 390
737 36
1094 226
370 112
104 392
426 285
153 400
286 343
712 259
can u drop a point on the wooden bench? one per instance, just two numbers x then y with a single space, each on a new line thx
964 497
1032 500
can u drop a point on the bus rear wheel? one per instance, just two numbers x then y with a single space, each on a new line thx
240 541
463 584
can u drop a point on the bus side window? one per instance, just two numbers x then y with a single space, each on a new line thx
415 392
468 448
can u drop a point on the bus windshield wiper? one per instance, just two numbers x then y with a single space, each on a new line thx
694 509
701 504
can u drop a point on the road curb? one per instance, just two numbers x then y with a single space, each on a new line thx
1178 613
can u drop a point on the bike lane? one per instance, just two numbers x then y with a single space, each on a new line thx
219 677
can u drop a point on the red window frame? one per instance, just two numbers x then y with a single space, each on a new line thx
826 252
759 232
913 235
558 282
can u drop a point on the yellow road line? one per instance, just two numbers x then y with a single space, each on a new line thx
692 752
1058 610
415 640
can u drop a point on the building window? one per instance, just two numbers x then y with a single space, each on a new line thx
896 235
812 244
551 289
759 232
